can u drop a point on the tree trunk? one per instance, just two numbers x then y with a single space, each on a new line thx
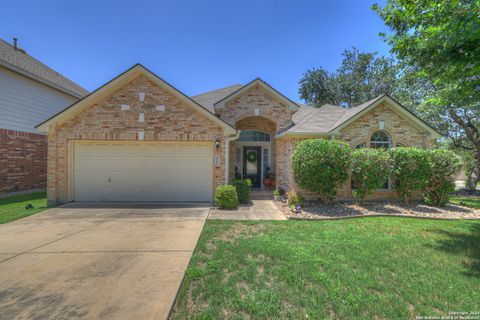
472 179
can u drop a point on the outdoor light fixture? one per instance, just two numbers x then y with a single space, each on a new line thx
217 143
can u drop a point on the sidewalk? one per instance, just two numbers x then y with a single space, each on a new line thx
256 210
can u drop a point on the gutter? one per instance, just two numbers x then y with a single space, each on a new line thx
227 152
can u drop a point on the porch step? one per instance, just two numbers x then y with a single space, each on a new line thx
261 194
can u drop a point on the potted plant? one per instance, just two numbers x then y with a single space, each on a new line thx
268 179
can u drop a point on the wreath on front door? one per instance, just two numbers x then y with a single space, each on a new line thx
252 157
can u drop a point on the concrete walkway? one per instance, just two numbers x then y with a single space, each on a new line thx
97 261
256 210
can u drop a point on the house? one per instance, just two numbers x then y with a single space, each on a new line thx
29 92
137 138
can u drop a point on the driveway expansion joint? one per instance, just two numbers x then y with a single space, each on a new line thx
50 242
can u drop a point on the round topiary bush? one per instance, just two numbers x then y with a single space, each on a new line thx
370 169
444 166
321 166
410 170
243 186
226 197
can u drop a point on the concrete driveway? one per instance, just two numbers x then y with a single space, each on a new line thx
97 261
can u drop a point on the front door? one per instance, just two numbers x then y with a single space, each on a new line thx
252 165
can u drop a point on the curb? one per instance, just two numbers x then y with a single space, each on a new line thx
377 215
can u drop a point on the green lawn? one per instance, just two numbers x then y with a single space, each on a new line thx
13 208
369 268
469 202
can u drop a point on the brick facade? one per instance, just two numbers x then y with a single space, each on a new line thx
107 122
23 161
244 106
358 132
240 113
257 124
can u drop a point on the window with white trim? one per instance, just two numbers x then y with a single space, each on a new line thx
380 139
251 135
266 163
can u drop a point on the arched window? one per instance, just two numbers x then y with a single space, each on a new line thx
380 139
251 135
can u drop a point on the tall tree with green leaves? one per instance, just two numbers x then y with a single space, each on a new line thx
439 43
361 77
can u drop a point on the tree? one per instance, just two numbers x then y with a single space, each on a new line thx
439 42
361 77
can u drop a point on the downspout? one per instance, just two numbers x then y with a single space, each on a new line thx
227 153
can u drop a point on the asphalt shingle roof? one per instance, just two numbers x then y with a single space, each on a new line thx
25 64
305 120
208 99
320 120
326 118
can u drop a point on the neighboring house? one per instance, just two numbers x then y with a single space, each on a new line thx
29 92
137 138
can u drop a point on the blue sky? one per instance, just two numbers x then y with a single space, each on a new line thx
197 46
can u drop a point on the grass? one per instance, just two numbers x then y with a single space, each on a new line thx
13 207
369 268
469 202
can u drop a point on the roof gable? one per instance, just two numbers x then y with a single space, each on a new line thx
353 114
221 104
117 83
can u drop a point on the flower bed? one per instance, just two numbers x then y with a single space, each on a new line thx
342 209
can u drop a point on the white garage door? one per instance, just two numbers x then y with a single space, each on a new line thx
142 172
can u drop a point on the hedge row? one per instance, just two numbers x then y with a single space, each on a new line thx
322 166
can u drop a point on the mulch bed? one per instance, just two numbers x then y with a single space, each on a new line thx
341 209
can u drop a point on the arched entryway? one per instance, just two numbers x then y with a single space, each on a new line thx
254 152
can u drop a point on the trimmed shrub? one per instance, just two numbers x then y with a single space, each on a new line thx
444 165
410 171
243 189
294 198
226 197
321 166
370 169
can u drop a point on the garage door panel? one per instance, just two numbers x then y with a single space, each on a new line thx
153 178
154 194
142 172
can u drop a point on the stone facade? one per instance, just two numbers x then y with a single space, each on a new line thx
23 161
106 121
360 131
